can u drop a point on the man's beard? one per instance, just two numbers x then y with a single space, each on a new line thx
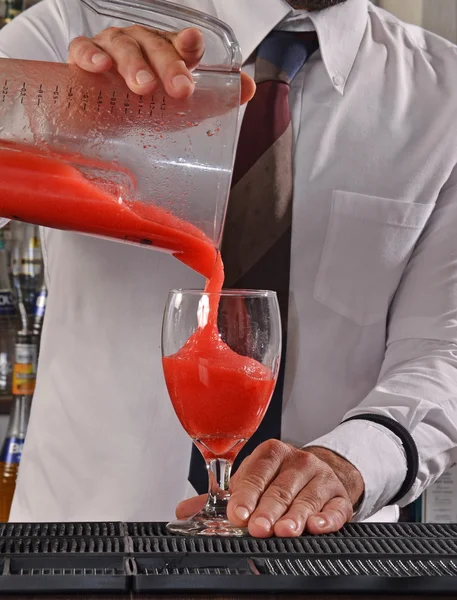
313 4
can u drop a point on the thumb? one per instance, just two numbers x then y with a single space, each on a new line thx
188 508
247 88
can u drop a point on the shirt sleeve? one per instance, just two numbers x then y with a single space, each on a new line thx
417 386
40 33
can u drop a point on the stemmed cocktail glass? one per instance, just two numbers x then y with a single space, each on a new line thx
221 356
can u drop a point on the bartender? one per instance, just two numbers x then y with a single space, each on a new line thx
360 161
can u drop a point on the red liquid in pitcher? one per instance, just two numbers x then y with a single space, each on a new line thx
219 396
46 191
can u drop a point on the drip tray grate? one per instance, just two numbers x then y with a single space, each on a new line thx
352 530
62 529
65 573
144 558
304 545
70 545
298 567
307 574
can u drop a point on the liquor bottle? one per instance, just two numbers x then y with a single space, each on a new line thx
9 243
17 242
31 270
40 309
13 9
24 377
8 323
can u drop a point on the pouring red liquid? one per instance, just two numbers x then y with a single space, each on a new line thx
41 189
219 396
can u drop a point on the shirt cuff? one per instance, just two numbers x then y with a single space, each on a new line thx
378 455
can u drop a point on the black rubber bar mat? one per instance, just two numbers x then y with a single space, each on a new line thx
301 575
62 529
144 558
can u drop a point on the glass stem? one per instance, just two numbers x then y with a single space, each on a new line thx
218 494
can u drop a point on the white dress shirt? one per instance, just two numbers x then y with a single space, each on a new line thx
373 308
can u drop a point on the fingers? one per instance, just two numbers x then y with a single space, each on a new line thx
247 88
190 45
145 58
336 513
190 507
288 516
128 58
114 47
308 510
87 55
167 64
284 491
253 479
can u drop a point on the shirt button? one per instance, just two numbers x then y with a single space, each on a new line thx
338 80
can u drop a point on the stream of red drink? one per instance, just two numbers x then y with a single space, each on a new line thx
219 396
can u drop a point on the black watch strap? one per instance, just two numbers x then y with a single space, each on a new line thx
409 445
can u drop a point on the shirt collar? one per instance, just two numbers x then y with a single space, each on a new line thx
340 30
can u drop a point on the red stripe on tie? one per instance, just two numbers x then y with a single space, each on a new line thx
266 119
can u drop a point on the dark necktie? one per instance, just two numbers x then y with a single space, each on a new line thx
258 227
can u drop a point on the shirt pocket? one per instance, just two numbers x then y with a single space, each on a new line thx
368 244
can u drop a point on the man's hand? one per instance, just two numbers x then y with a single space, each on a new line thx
145 58
280 490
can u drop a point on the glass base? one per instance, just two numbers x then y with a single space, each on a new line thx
206 525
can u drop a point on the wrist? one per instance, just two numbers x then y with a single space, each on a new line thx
346 472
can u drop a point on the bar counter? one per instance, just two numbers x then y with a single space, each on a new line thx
237 597
95 561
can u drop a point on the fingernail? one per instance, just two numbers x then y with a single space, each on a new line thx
143 77
98 58
263 523
181 83
320 522
242 513
289 524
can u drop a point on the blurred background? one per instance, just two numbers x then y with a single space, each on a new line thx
439 16
11 8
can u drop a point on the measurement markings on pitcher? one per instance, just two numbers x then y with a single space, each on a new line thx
113 102
70 97
152 106
23 92
56 94
99 101
40 94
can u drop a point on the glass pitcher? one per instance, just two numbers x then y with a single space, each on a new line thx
81 152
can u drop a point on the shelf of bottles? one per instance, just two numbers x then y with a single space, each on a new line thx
22 306
20 258
12 8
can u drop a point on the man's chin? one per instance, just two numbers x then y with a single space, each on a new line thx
312 5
